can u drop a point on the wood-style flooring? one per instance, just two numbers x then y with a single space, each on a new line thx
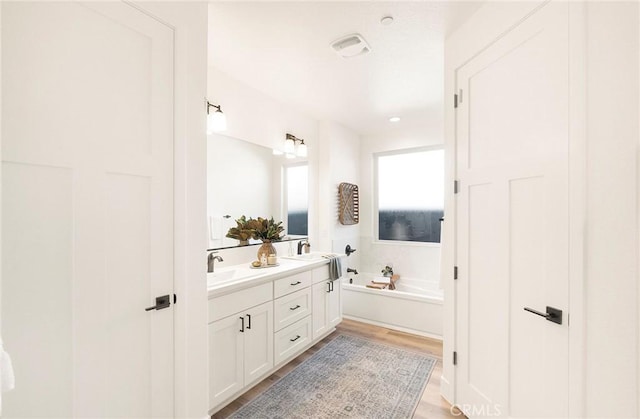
431 405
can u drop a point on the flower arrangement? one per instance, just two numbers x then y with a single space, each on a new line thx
261 228
266 229
242 231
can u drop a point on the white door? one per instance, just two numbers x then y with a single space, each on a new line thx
87 209
334 306
258 342
226 359
319 294
512 221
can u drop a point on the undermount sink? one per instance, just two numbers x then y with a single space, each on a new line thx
225 276
307 256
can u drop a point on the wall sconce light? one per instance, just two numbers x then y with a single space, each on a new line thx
294 147
216 120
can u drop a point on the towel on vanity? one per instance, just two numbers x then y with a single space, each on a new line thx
7 379
335 268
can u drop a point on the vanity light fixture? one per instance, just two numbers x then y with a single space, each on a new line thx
216 120
294 147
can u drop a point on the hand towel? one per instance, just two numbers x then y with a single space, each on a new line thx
335 268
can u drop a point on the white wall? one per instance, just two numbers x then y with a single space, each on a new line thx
339 162
604 73
420 261
257 118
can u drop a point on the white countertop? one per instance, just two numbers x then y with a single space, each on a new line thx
233 278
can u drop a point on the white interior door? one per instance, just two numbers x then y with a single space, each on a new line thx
87 209
512 221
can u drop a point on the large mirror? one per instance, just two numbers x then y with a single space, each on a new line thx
247 179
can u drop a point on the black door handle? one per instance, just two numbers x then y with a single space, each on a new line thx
242 327
161 302
553 314
249 318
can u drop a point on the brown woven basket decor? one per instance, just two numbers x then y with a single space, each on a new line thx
349 204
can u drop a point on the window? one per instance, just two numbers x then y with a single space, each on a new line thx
296 199
410 194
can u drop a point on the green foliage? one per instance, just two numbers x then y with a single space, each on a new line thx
266 229
242 231
262 228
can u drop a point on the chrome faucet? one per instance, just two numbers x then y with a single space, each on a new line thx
211 259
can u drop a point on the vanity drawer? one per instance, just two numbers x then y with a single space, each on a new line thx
292 340
226 305
284 286
320 274
292 307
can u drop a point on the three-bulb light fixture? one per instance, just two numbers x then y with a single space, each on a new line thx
293 147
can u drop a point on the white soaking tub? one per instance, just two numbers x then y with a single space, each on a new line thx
414 307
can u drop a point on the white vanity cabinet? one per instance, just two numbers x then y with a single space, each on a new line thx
258 324
326 305
240 344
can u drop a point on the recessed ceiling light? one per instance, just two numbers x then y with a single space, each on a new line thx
387 20
394 119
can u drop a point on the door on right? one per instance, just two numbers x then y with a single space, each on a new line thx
512 219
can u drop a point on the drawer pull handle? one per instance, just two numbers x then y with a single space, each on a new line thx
296 283
242 329
294 308
249 318
294 339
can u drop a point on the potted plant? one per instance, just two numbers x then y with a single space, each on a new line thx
268 231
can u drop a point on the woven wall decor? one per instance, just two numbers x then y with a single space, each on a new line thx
349 204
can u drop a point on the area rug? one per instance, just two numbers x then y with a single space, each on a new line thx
348 377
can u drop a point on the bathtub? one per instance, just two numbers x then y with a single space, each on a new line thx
414 307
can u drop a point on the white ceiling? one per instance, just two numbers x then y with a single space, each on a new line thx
282 49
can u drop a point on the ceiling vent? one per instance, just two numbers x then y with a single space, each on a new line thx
351 46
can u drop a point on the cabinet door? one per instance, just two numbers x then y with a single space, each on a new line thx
334 304
320 293
258 342
225 359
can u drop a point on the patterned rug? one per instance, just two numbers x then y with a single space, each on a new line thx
348 377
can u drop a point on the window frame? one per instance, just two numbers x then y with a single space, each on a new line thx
376 206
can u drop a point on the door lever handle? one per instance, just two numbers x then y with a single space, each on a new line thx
161 302
553 314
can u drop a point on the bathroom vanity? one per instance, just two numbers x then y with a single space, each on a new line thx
260 319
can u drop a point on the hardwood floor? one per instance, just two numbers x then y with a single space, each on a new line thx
431 405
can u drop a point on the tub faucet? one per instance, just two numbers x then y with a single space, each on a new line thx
354 271
211 259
